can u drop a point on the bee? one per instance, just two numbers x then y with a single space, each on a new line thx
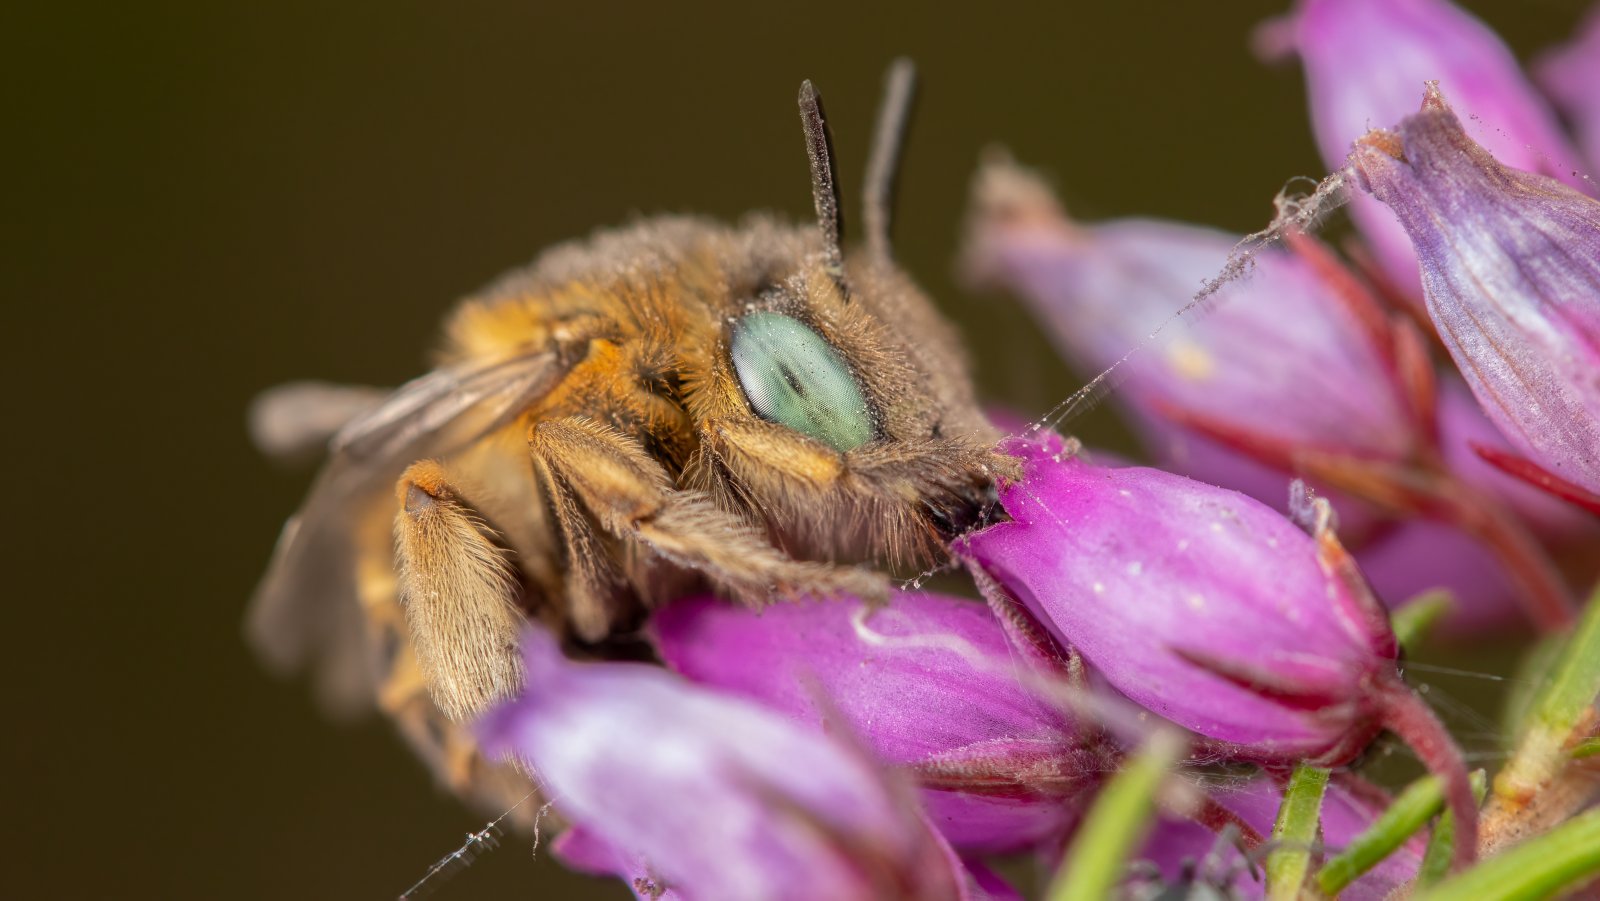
670 406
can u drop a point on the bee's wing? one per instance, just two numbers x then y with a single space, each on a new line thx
306 606
295 421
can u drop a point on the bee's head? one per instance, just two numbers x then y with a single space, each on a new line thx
841 406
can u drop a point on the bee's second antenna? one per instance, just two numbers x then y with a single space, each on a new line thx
824 178
883 167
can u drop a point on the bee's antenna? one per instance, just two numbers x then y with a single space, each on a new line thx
883 167
824 178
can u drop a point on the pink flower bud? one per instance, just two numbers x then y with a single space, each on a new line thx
1161 583
1275 352
1365 60
929 683
1511 276
1291 367
712 796
1211 610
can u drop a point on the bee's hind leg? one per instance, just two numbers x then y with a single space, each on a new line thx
459 593
448 748
595 470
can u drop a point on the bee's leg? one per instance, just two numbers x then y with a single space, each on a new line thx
628 494
447 748
905 497
452 754
451 751
459 596
594 585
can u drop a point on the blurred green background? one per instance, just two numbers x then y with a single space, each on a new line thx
207 199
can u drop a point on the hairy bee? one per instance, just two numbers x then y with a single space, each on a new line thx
671 404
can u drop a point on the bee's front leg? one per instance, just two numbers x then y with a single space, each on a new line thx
626 493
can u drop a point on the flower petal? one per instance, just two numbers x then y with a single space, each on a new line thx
1511 275
928 682
713 796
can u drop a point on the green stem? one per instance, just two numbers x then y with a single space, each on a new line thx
1294 833
1538 868
1416 617
1563 706
1440 845
1118 821
1403 819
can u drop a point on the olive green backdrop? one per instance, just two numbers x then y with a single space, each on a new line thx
206 199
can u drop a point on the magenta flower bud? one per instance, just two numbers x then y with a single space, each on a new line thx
929 683
1364 62
1175 844
712 796
1569 75
1160 581
1212 610
1277 353
1511 276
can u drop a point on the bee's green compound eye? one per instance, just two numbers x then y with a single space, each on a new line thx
793 377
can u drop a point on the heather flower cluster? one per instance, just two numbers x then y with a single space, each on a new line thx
1161 676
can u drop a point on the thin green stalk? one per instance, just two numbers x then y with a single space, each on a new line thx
1118 821
1527 680
1589 748
1412 810
1416 618
1564 704
1436 860
1538 868
1294 833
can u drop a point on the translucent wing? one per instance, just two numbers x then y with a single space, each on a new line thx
306 609
295 421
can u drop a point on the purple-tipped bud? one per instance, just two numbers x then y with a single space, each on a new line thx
1277 352
1569 75
1511 276
930 683
1213 611
712 796
1175 845
1365 60
1196 602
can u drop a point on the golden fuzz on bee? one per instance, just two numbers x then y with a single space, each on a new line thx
673 405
